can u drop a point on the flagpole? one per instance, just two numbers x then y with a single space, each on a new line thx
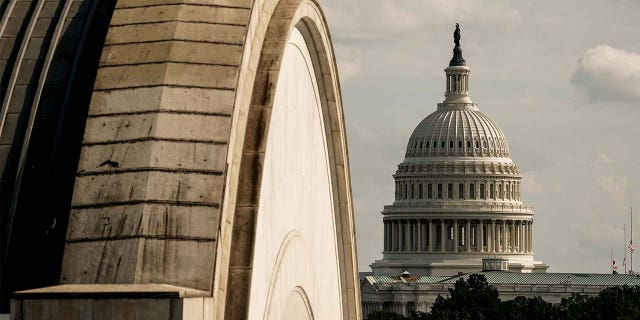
631 228
611 260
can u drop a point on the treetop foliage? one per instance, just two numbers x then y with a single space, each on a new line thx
476 299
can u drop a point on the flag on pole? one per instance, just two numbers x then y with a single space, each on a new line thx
613 266
630 246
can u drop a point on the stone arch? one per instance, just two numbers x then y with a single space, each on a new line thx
282 17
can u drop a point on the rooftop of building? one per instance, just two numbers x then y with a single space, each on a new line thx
507 278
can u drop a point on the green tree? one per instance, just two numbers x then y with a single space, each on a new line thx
468 300
523 308
384 315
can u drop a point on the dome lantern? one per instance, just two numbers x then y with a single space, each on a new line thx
457 78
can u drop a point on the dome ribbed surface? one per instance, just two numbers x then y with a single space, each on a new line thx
467 133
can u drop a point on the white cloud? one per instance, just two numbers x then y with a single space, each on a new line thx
608 74
531 185
613 186
349 60
406 19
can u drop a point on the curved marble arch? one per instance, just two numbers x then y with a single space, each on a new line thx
289 18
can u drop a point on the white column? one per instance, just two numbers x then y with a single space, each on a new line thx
442 235
419 225
492 239
431 236
530 236
386 236
400 236
504 236
456 236
480 233
467 235
512 241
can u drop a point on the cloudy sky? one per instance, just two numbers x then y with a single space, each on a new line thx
561 78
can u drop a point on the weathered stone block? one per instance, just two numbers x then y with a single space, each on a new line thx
144 220
103 261
182 12
188 263
188 156
152 186
162 98
172 51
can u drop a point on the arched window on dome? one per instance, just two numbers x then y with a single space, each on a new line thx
472 191
404 187
468 144
461 191
442 144
421 144
450 191
482 191
451 144
499 191
412 191
513 194
459 144
427 144
477 144
439 190
491 192
435 144
430 191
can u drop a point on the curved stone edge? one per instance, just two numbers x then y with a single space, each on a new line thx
269 29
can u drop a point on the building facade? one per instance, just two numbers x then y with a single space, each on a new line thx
457 193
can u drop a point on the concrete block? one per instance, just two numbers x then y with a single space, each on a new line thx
181 12
172 30
144 220
243 237
7 45
51 9
221 77
172 51
153 186
131 76
141 3
13 130
119 128
162 98
159 125
184 263
111 301
101 261
21 99
193 127
13 27
179 74
42 27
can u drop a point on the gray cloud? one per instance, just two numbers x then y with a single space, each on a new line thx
608 74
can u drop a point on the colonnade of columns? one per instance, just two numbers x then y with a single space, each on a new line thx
458 235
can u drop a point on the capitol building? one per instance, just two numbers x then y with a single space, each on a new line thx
457 193
458 211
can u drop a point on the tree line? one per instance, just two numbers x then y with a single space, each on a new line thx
475 299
